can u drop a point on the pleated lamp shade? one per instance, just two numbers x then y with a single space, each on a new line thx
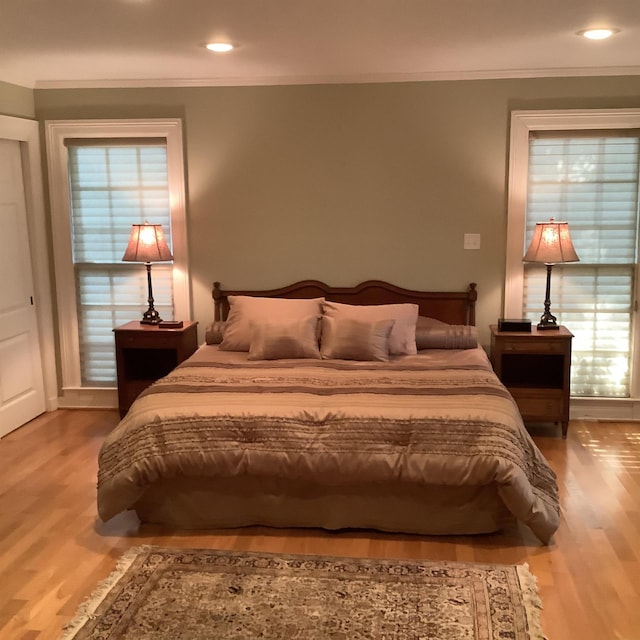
551 244
147 244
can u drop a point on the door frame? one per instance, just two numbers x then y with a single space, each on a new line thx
27 133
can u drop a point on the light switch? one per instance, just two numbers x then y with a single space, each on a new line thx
471 240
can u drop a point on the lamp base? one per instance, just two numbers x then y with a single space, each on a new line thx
548 321
151 316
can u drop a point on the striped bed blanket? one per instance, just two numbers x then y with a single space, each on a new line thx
441 417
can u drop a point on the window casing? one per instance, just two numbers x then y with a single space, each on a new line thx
596 192
89 274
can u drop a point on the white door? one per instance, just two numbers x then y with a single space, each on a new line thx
21 380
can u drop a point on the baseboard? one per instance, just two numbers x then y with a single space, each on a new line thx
88 398
605 409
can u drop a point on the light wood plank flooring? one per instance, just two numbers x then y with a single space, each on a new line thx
54 550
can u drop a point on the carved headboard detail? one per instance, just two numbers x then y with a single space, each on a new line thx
454 307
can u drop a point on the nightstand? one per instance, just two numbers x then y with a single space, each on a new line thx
145 353
535 367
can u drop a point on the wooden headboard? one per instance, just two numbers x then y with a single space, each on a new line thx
454 307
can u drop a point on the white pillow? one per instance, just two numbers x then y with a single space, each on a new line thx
245 310
402 339
287 339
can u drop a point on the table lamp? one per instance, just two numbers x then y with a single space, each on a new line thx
551 244
147 244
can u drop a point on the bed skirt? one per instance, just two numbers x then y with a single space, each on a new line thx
205 503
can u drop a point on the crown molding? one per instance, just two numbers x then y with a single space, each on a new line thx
376 78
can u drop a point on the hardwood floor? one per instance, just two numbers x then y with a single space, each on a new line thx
54 550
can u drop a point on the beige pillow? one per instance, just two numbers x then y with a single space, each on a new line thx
245 310
435 334
286 339
402 340
348 339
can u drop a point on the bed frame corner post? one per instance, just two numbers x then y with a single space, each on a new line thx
473 296
216 294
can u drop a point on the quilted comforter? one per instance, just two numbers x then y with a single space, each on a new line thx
438 418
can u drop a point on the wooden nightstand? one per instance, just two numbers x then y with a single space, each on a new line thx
536 368
147 352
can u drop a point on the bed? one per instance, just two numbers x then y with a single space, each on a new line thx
338 422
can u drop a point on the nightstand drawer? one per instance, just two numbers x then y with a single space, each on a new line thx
542 405
538 345
140 340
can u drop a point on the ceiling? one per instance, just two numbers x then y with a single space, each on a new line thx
109 43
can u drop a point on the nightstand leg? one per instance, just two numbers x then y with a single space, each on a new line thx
565 428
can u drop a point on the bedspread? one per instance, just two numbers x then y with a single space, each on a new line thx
437 418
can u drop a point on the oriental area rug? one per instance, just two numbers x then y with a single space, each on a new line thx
157 593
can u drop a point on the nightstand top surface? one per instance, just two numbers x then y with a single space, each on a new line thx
136 325
561 332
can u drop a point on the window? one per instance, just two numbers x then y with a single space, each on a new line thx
106 176
592 183
113 185
581 167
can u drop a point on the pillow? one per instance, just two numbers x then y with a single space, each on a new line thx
349 339
214 332
434 334
286 339
402 340
243 310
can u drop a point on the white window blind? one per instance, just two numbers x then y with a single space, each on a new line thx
590 181
112 186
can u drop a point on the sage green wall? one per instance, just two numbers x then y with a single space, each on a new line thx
16 101
346 182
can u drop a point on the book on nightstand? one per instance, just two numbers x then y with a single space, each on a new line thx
171 324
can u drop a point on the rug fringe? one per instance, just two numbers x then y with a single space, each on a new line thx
532 601
87 609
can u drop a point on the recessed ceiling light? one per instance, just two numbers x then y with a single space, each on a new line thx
219 47
598 34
